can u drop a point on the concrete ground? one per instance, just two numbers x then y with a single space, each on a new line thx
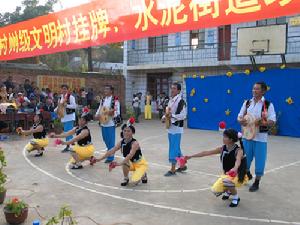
95 193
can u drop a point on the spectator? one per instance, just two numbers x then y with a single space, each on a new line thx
9 83
28 88
3 94
90 97
10 94
49 106
136 103
49 93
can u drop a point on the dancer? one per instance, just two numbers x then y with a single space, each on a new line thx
264 117
68 104
175 115
83 149
39 141
133 159
108 109
233 162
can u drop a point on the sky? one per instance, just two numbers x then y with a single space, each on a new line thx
11 5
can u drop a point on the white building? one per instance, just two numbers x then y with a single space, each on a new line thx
154 63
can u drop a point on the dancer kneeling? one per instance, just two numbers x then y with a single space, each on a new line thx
233 162
84 148
39 141
133 158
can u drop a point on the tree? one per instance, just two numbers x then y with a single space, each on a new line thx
28 10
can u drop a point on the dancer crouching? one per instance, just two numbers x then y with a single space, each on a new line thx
133 158
83 149
234 166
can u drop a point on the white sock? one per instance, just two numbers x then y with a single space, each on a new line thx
235 199
227 193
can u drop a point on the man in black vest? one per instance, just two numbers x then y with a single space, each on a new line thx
177 108
264 113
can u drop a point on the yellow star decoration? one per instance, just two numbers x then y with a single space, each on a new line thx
289 100
229 74
262 69
282 66
206 100
194 75
247 71
229 91
202 76
183 76
193 92
227 112
194 109
268 88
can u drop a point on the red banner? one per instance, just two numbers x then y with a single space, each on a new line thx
108 21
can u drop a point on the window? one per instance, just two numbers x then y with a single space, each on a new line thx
177 39
158 44
133 44
197 38
274 21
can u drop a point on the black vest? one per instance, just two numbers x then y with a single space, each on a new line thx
126 147
180 106
39 135
85 141
228 158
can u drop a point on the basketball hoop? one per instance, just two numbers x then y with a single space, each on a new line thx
258 51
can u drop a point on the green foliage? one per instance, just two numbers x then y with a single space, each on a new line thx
15 206
65 216
28 10
2 175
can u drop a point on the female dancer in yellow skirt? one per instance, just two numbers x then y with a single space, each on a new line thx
83 149
233 162
133 158
39 141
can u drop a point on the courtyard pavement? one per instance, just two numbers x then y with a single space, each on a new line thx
95 194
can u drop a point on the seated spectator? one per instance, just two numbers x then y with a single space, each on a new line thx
48 106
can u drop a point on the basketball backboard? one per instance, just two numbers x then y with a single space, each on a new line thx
263 40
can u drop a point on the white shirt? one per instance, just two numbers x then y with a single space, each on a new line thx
72 105
107 104
173 104
255 110
136 102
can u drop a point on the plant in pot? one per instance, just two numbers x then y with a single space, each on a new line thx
58 126
2 176
65 217
15 211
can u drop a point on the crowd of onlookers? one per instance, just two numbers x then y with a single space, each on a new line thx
28 98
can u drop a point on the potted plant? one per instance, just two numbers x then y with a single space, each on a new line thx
2 176
15 211
65 217
58 126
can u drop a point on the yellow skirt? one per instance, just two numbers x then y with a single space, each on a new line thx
225 182
83 152
139 169
39 142
148 113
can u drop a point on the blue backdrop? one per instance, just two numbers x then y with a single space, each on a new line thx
207 115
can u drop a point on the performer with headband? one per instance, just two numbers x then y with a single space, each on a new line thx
67 112
175 115
109 108
132 153
234 165
39 141
260 114
83 149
